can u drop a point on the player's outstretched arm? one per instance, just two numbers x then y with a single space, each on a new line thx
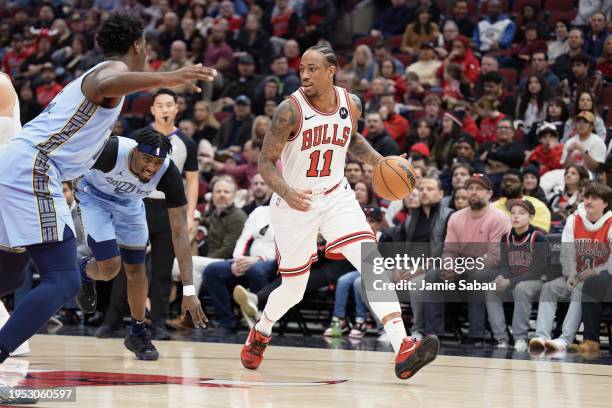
115 80
7 96
182 249
284 122
359 146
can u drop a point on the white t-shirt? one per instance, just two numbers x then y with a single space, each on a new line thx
594 145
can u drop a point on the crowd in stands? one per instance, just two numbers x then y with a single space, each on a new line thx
517 90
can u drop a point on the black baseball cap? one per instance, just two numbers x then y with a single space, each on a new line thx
521 203
481 179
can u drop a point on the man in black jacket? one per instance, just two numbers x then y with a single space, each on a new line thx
236 129
246 83
378 136
423 234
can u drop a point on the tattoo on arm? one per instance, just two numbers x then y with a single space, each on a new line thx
362 150
284 123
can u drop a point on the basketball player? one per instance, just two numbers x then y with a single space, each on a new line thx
61 144
10 124
113 213
311 133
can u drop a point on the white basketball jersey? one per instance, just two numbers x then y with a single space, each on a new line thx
16 122
315 156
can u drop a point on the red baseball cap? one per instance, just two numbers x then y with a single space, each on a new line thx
420 148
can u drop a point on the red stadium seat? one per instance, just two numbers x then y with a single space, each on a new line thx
405 59
141 105
395 41
369 41
510 75
518 5
560 16
556 6
605 101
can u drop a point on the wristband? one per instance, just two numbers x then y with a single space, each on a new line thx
189 290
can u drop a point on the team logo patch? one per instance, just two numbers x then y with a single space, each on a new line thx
343 113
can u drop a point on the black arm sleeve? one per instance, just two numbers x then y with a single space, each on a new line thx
512 157
171 184
108 158
191 161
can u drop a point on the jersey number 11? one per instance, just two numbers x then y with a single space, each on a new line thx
314 164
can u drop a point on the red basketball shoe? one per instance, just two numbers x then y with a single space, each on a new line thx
414 355
253 349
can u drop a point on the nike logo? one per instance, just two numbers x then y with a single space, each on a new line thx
248 341
309 117
409 350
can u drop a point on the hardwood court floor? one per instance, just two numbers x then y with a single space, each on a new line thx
194 374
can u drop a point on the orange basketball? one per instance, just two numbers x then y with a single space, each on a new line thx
393 178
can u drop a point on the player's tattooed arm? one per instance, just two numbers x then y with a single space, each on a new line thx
283 124
359 146
362 150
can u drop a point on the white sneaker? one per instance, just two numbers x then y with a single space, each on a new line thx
248 304
556 345
520 345
502 344
416 335
24 348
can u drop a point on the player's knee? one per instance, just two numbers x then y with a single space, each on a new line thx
294 288
135 271
109 268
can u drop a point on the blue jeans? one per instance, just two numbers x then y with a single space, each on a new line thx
343 288
221 281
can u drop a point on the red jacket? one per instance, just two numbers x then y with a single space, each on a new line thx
488 127
397 126
548 159
46 93
470 66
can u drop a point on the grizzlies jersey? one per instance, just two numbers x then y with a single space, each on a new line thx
15 122
71 131
119 184
315 156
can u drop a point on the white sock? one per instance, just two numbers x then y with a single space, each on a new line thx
283 298
396 332
4 314
264 325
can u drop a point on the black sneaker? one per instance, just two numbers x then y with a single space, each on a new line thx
7 397
160 332
140 344
87 296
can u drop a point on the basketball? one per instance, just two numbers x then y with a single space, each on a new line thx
393 178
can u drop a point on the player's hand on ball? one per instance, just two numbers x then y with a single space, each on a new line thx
189 75
298 199
192 305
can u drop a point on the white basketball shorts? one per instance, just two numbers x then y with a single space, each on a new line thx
336 215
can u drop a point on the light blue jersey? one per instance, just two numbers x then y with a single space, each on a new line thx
110 201
61 143
120 185
71 131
